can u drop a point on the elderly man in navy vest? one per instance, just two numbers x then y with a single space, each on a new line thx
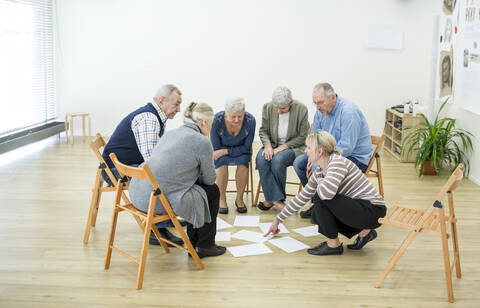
138 133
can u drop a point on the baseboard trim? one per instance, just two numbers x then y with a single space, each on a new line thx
18 139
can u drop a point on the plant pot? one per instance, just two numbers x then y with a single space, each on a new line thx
428 168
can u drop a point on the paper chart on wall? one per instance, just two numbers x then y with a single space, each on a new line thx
470 52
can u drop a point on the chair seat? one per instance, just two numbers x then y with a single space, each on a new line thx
407 218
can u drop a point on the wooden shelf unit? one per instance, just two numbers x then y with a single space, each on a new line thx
396 133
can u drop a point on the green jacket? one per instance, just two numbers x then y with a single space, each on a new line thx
297 127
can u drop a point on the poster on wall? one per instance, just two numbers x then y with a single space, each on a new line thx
470 49
447 31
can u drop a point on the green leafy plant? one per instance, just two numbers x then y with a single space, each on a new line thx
439 143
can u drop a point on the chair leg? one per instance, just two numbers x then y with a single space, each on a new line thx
66 128
71 130
93 205
379 177
111 237
187 242
143 254
251 183
395 258
258 193
89 128
453 228
446 263
97 203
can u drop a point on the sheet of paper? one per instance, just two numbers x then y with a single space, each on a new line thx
384 36
288 244
265 225
249 250
308 231
246 221
251 236
222 224
222 237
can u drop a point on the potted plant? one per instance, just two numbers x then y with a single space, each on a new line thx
438 144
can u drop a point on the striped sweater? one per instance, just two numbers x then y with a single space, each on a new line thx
342 177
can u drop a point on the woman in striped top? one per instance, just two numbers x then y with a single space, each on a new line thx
345 200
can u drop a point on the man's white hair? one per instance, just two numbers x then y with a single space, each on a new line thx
165 91
326 87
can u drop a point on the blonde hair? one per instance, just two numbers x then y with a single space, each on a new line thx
322 140
197 112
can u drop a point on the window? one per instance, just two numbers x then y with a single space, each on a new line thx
27 93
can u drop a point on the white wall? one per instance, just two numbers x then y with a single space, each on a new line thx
112 55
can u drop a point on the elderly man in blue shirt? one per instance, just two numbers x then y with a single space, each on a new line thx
346 123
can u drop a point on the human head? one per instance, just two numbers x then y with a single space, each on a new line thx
446 66
324 97
282 100
169 98
235 111
200 114
319 144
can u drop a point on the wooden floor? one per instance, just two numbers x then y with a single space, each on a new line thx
44 201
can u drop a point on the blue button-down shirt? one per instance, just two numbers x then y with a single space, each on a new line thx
347 124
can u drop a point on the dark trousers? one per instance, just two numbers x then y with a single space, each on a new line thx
345 215
204 237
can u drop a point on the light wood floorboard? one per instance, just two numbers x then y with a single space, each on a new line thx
44 201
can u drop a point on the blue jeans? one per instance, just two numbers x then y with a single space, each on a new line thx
300 166
162 224
273 173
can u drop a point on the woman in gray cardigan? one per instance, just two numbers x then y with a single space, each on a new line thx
182 163
283 133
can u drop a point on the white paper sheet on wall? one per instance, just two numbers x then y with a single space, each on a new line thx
384 37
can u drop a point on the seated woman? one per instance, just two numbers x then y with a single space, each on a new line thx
283 132
182 164
345 200
232 136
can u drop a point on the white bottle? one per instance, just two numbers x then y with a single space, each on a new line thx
416 108
406 108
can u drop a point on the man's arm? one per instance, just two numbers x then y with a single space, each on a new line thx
145 128
350 129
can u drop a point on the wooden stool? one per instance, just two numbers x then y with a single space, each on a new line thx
69 122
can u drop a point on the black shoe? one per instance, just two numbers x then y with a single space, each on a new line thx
262 206
323 250
213 251
307 213
242 209
362 241
223 210
166 235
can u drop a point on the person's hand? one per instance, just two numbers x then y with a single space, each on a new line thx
279 149
268 152
219 153
273 228
309 169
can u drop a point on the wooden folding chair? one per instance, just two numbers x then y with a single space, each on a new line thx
249 187
149 218
378 142
100 186
433 221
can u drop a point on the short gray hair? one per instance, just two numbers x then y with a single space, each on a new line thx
234 105
327 88
166 90
281 97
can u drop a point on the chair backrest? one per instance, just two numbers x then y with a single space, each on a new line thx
96 145
378 142
142 172
447 188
